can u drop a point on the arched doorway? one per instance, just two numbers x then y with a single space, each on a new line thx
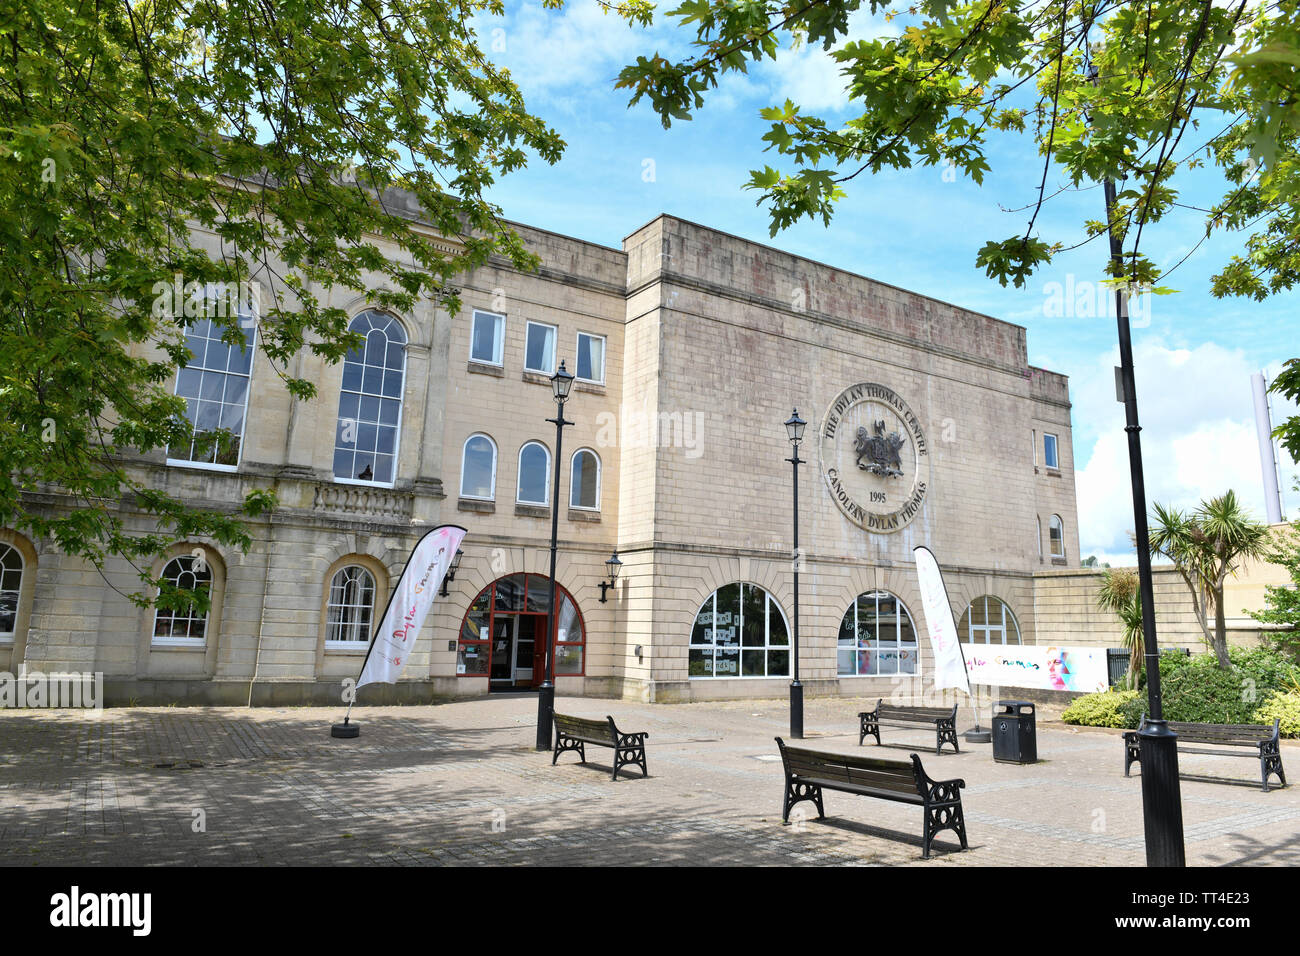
503 634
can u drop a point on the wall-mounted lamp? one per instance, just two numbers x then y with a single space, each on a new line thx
612 567
451 570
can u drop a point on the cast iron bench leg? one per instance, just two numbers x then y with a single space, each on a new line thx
797 792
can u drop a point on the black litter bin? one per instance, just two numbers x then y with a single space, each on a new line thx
1014 740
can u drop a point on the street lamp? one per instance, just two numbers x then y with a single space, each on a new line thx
1162 805
561 384
794 427
612 567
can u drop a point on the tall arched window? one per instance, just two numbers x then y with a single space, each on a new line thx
534 475
370 402
988 620
1056 536
11 587
584 481
877 637
478 468
214 385
185 625
739 632
351 610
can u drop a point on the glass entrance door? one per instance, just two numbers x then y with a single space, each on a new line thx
527 626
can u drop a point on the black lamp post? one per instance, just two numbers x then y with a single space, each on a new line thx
451 570
561 383
794 427
1162 804
612 567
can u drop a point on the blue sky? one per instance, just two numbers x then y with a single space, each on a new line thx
921 230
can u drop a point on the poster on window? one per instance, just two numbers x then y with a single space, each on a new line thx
1042 667
412 597
949 667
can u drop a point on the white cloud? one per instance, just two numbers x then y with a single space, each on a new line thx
811 78
1198 438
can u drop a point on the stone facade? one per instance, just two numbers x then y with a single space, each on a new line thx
709 342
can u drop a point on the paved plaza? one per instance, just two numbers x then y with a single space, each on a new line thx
460 784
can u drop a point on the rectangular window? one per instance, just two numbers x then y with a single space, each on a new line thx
539 348
215 387
591 358
1049 451
487 337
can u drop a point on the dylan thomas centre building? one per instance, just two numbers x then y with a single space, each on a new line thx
926 426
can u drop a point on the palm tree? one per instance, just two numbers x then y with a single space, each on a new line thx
1119 592
1207 545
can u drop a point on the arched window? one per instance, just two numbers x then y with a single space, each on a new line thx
534 475
370 402
740 632
478 468
988 620
214 385
350 615
584 482
502 636
11 586
1056 534
185 625
877 637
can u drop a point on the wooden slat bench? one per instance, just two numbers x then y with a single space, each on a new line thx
573 733
1261 739
943 719
809 772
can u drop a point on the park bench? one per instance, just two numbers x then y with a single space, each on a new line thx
574 733
1261 739
809 772
943 719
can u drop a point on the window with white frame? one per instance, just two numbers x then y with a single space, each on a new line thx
11 586
487 337
351 610
877 636
370 402
215 386
988 620
584 480
739 632
534 472
478 468
1049 451
1056 536
539 348
591 358
185 625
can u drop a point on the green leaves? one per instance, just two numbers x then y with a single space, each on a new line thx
1013 260
282 131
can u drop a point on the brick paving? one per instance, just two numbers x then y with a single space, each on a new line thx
459 784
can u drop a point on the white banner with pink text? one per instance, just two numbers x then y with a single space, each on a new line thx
412 598
1040 666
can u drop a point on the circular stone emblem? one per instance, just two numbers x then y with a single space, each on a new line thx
872 457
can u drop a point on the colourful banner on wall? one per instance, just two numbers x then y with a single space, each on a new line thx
949 667
409 605
1043 667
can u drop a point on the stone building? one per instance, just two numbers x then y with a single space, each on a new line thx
926 425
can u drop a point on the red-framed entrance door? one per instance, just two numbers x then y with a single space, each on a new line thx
501 635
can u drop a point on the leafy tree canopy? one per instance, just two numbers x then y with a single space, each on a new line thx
279 128
1131 92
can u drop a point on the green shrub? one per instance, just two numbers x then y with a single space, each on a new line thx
1099 710
1285 707
1197 690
